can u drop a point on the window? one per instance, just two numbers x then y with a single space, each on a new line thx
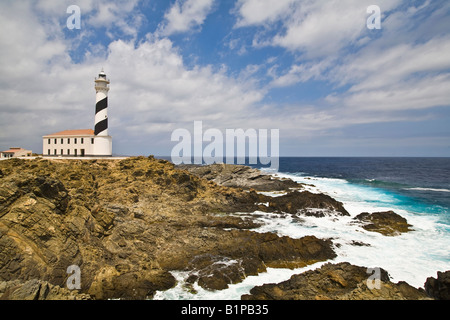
48 151
49 141
68 152
54 152
68 140
82 140
55 141
62 152
76 151
92 140
75 140
62 140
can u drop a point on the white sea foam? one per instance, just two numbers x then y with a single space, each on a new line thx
411 257
428 189
234 291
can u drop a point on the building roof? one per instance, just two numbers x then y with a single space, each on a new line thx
80 132
14 150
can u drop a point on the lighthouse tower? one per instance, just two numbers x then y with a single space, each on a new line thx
102 141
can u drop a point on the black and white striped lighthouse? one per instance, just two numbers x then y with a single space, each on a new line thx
101 105
103 142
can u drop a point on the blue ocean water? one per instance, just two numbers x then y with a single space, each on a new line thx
418 184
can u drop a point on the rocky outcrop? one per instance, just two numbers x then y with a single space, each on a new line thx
341 281
244 177
241 176
307 203
439 288
387 223
234 260
38 290
128 223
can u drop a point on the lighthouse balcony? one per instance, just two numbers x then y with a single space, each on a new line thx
103 79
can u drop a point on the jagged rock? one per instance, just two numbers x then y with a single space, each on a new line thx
341 281
240 176
387 223
439 288
307 203
235 261
38 290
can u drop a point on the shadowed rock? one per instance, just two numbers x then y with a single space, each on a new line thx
439 288
387 223
341 281
240 176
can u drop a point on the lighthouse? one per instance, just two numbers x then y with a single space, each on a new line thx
102 141
84 142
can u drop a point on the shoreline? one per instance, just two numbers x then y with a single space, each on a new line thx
104 215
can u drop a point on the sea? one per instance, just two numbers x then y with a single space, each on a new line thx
418 189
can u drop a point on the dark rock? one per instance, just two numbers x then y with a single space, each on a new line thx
240 176
228 222
248 253
359 244
215 272
387 223
341 281
307 203
439 288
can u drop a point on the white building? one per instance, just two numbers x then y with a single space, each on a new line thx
15 153
69 143
84 142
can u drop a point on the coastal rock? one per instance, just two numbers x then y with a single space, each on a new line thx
439 288
128 223
38 290
307 203
387 223
241 253
241 176
341 281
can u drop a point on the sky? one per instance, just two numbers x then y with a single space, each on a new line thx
311 69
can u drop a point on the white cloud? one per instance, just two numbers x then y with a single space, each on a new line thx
115 16
185 15
257 12
429 92
302 73
152 91
315 28
374 68
163 88
398 71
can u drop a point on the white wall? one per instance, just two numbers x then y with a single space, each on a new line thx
65 146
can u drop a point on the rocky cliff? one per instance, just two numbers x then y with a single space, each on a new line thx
127 224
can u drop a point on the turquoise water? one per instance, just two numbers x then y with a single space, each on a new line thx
420 185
